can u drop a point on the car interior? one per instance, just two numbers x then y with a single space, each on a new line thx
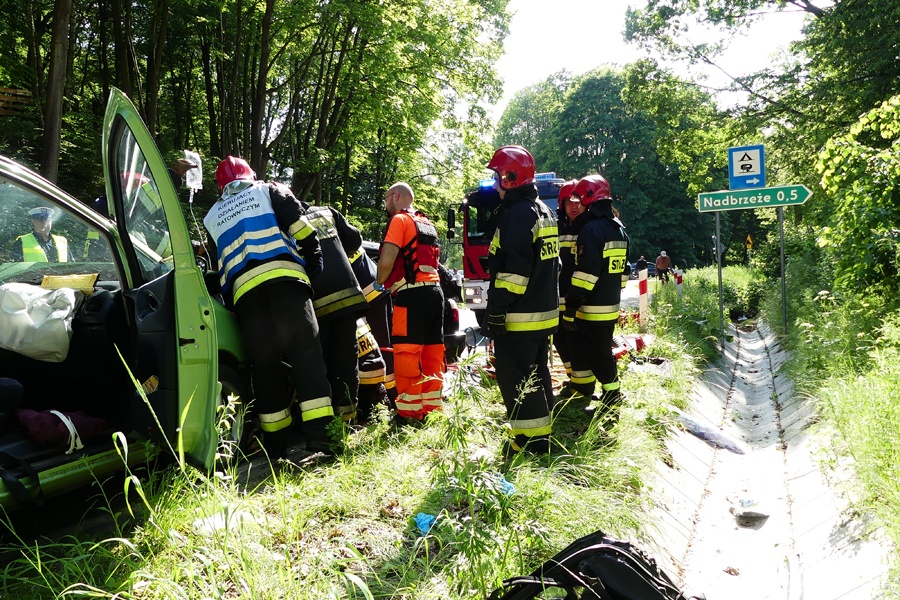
63 325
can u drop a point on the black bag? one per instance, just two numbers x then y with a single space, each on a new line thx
595 567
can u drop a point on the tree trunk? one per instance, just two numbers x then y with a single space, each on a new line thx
259 98
121 34
158 29
56 84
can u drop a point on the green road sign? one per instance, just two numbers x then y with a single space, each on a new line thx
768 197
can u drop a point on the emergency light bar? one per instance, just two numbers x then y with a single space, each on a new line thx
486 183
542 176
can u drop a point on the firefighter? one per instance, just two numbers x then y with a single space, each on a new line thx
371 371
408 266
338 301
523 302
581 382
267 251
378 322
592 303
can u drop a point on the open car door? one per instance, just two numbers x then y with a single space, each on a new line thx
174 357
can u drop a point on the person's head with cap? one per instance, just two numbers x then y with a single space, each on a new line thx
42 220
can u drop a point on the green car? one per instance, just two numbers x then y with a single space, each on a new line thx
121 301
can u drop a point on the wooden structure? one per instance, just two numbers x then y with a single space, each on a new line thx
13 100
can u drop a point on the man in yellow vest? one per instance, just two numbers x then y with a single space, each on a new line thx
40 245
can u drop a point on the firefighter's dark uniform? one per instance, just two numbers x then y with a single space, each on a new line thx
265 247
378 320
581 381
338 301
592 302
524 267
417 329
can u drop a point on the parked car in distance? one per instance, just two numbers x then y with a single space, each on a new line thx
454 338
136 309
651 270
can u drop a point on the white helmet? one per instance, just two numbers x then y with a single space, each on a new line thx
662 252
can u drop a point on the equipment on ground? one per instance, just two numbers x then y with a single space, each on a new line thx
597 567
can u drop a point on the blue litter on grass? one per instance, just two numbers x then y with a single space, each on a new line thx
424 522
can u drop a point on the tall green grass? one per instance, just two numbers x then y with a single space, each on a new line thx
347 528
844 354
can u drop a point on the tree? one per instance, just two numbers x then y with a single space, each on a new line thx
56 83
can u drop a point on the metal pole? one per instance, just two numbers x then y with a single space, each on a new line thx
783 286
719 265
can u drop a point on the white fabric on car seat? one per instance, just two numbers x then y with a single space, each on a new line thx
35 321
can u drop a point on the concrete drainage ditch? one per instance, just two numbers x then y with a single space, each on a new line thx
744 510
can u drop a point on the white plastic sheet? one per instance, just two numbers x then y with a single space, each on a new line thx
36 322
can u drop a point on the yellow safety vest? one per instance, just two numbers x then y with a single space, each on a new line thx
33 252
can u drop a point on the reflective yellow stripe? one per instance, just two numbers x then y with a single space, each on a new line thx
592 279
544 232
265 272
611 386
371 293
609 312
495 242
316 408
532 321
301 229
583 376
355 256
244 238
235 260
613 245
373 377
275 421
531 427
517 284
337 301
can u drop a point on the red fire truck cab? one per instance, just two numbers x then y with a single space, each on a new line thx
480 212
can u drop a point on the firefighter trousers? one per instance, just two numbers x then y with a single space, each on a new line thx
417 333
591 350
277 321
379 318
523 375
340 349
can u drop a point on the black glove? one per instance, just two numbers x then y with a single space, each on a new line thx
313 264
568 321
496 324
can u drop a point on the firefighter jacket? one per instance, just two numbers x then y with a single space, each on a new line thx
34 250
567 238
335 290
260 234
366 270
417 263
524 265
600 256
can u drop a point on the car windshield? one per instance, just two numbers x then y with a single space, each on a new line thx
43 242
143 215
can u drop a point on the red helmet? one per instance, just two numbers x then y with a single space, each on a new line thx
592 188
565 192
514 165
232 169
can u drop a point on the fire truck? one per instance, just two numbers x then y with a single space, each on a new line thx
479 213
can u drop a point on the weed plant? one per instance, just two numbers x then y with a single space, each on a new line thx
416 512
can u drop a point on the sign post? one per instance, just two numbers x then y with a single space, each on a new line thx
749 168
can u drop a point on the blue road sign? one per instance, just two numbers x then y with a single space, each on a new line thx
746 167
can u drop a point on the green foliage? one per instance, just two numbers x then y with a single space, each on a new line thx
861 174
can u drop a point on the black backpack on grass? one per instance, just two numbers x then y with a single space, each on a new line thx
595 567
